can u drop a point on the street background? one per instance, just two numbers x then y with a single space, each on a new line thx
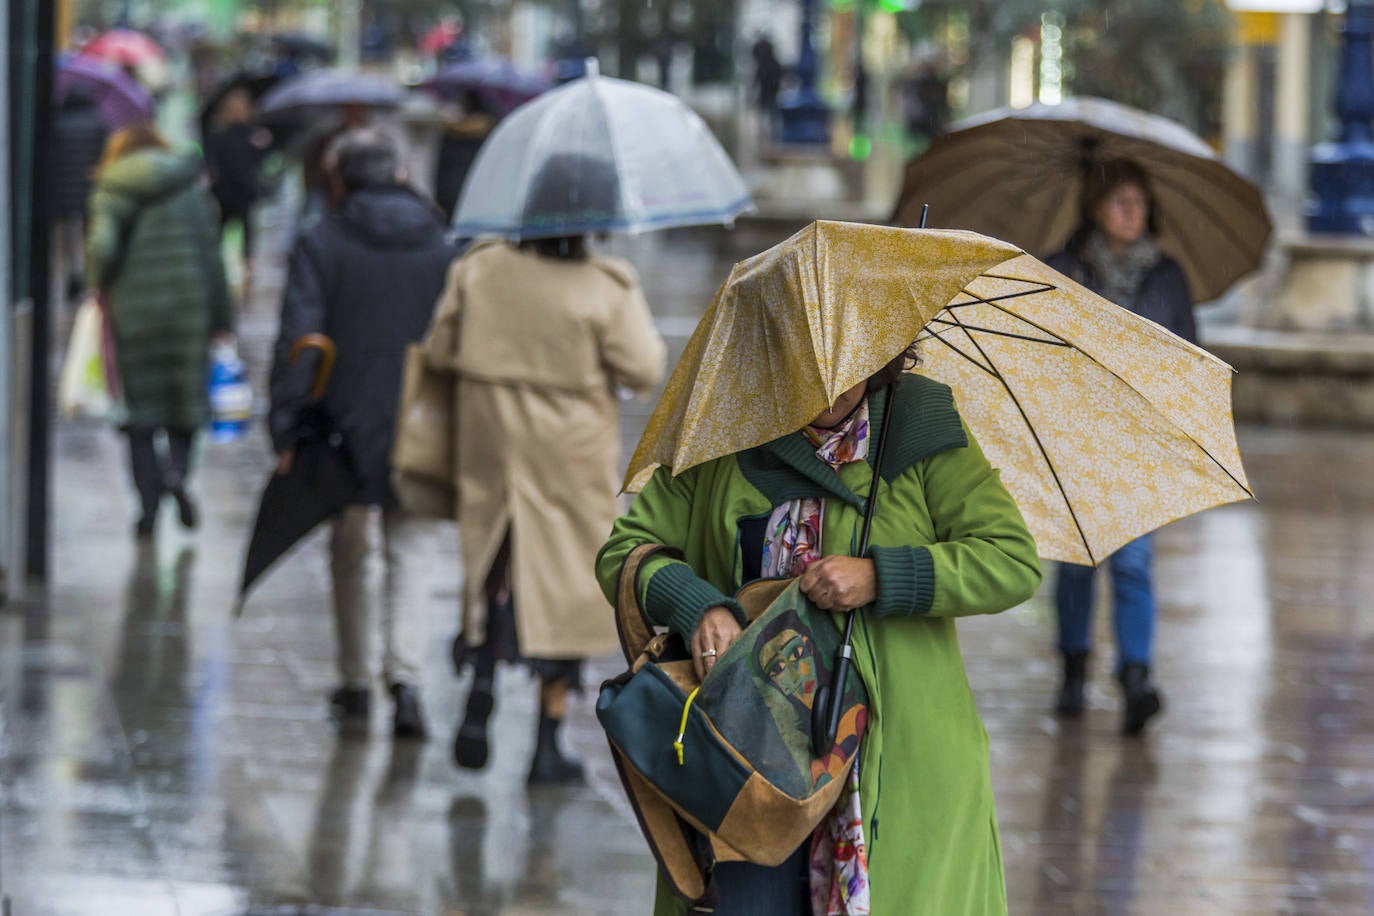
158 755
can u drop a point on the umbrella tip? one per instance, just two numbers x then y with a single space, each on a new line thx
925 211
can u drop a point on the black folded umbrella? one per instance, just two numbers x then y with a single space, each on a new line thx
319 484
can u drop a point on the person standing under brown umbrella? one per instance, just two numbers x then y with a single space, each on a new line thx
542 334
1114 253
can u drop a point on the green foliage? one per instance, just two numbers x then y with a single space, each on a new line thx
1165 56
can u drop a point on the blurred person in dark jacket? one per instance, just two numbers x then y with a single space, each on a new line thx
234 150
458 150
79 137
367 275
1114 253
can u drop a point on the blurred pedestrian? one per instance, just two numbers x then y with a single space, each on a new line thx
1115 254
79 137
152 250
319 189
458 149
234 151
767 81
367 276
543 333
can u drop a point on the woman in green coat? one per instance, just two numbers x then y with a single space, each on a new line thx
947 541
152 249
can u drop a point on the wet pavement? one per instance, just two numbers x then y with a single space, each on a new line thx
158 756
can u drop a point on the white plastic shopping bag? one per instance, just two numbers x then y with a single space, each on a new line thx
83 390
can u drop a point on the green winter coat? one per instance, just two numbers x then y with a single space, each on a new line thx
947 541
153 246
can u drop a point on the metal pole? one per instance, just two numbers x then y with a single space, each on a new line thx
39 291
1341 173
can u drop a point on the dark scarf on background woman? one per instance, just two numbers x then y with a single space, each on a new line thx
1119 275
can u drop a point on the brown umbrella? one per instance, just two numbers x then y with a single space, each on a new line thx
1016 174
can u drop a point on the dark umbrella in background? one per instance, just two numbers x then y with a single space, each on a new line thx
500 84
317 486
1017 174
121 100
255 83
318 91
302 47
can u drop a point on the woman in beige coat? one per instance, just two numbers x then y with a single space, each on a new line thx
543 336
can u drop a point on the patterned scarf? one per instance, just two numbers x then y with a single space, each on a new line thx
793 536
1120 275
838 861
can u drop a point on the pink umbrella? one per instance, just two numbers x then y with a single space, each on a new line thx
124 47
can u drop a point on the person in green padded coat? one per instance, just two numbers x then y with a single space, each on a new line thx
152 248
947 541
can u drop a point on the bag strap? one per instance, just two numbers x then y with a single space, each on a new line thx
633 625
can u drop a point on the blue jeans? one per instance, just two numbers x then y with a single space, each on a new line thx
1134 600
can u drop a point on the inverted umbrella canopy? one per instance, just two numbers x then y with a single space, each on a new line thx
1104 425
121 100
599 155
1017 174
304 95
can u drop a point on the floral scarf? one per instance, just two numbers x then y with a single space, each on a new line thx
839 863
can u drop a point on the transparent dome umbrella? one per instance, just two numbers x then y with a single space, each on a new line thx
599 155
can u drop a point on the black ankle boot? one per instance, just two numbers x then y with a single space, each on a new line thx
1142 699
470 746
408 720
549 766
350 708
1075 676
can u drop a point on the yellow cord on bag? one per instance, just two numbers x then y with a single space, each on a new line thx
682 729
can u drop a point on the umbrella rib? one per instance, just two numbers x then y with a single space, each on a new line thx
977 299
1038 444
1014 336
942 340
1114 374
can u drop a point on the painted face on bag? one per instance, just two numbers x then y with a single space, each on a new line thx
789 663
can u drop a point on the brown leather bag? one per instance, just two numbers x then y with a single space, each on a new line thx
424 459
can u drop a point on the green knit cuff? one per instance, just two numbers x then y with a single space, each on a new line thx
677 598
906 580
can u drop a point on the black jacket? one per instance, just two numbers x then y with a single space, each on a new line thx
78 140
234 161
1161 297
368 277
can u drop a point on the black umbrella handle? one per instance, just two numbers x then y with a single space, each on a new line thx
829 703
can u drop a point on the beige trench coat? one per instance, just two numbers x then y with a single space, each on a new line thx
540 346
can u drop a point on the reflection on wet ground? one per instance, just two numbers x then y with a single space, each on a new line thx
159 756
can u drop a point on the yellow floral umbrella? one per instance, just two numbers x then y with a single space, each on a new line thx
1104 425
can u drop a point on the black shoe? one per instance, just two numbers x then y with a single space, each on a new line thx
187 512
471 747
145 527
408 721
350 707
1070 701
550 767
1141 697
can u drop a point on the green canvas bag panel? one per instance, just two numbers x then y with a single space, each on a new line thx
730 757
